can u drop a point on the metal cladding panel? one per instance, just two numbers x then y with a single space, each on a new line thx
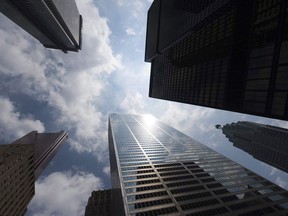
21 20
180 16
213 56
56 24
152 33
173 23
69 12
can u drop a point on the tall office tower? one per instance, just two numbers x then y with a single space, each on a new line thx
99 203
45 145
20 164
55 23
224 54
16 179
264 142
158 170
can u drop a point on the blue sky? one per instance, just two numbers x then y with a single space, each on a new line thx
47 90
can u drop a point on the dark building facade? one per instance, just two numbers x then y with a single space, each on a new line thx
21 163
224 54
100 203
264 142
57 24
158 170
16 179
45 145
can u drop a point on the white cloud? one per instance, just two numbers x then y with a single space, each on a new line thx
130 31
96 55
135 7
63 193
184 118
71 84
13 125
133 103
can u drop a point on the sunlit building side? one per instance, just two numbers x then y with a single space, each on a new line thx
157 170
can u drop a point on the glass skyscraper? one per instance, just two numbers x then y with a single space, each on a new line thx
157 170
21 163
224 54
264 142
57 24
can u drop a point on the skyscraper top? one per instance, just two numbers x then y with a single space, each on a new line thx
45 147
266 143
157 170
21 163
55 23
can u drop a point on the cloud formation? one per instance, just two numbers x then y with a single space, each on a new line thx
13 125
70 84
63 193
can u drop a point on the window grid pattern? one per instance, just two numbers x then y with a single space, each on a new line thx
206 63
16 178
264 142
201 181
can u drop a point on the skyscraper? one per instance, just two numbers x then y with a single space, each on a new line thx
264 142
45 145
21 163
158 170
100 203
55 23
224 54
16 179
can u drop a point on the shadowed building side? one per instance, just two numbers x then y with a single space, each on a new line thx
46 146
21 163
56 24
208 53
17 178
264 142
100 203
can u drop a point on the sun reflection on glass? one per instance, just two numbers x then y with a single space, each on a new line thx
149 120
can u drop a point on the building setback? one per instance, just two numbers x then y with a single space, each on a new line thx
21 163
158 170
224 54
57 24
264 142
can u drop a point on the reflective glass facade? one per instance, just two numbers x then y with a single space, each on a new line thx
56 24
161 171
225 54
264 142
